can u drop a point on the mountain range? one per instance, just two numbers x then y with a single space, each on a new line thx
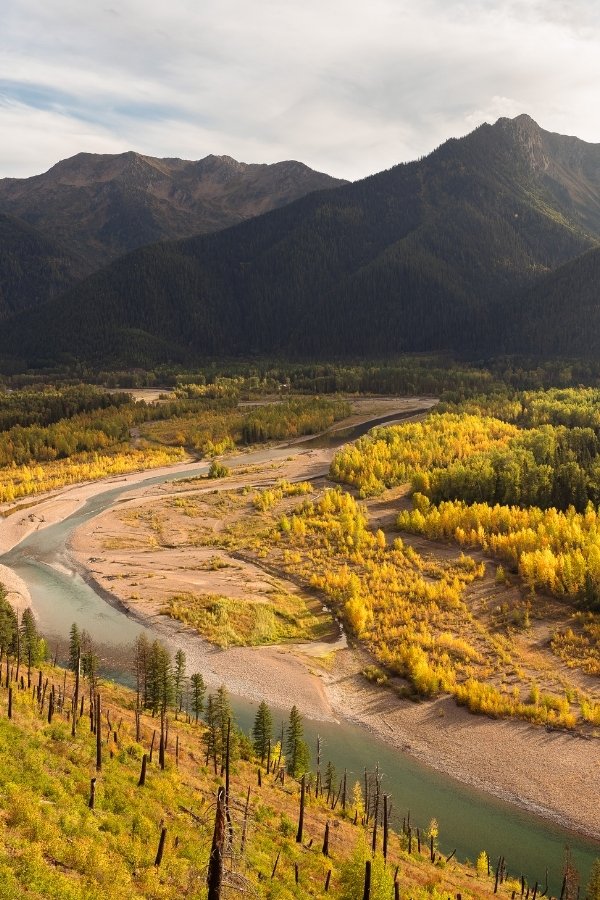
90 209
487 245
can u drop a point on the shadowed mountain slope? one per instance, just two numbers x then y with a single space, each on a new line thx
559 316
33 268
420 257
101 206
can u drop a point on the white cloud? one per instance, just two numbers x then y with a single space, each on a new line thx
345 87
32 139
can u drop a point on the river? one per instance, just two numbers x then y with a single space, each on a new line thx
469 820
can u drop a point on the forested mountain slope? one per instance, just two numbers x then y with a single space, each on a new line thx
559 315
106 205
420 257
33 267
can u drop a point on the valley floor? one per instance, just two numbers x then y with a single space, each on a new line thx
136 559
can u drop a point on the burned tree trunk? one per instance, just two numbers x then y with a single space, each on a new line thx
76 700
301 817
98 734
161 847
367 890
161 745
142 780
215 863
245 825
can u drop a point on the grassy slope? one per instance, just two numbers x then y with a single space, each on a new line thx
54 846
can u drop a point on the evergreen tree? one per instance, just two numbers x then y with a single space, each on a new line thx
74 646
179 680
198 693
297 753
141 655
8 625
593 888
166 681
330 780
161 685
262 731
223 713
90 664
211 736
30 639
90 661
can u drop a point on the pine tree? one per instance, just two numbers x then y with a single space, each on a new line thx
141 656
330 780
161 685
198 692
211 736
30 639
593 888
179 680
89 659
166 681
74 646
262 731
223 713
8 625
297 753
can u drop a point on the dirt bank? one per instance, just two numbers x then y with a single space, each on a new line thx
551 773
17 592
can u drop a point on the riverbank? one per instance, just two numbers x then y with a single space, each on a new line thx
19 521
41 512
17 592
551 773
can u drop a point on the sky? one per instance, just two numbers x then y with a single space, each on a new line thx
349 88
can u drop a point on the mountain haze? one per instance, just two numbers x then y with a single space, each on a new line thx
425 256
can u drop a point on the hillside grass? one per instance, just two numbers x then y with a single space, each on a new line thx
54 846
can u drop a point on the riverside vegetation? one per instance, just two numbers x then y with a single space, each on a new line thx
95 806
434 620
519 638
58 436
517 477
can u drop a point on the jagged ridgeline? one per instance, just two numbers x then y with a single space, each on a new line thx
156 793
429 255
